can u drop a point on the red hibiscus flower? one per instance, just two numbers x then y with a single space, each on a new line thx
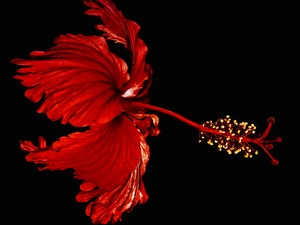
81 82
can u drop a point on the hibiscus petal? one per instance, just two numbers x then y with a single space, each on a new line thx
110 205
81 82
146 123
30 147
104 155
115 24
122 30
79 78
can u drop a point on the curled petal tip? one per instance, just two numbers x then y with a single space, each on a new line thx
37 53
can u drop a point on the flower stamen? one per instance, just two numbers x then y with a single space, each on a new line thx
237 136
226 133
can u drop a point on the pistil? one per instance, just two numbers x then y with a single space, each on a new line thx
225 133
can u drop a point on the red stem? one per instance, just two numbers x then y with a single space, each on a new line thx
187 121
168 112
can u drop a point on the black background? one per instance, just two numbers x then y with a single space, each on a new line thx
208 61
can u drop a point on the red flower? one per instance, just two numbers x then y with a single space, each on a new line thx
82 83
